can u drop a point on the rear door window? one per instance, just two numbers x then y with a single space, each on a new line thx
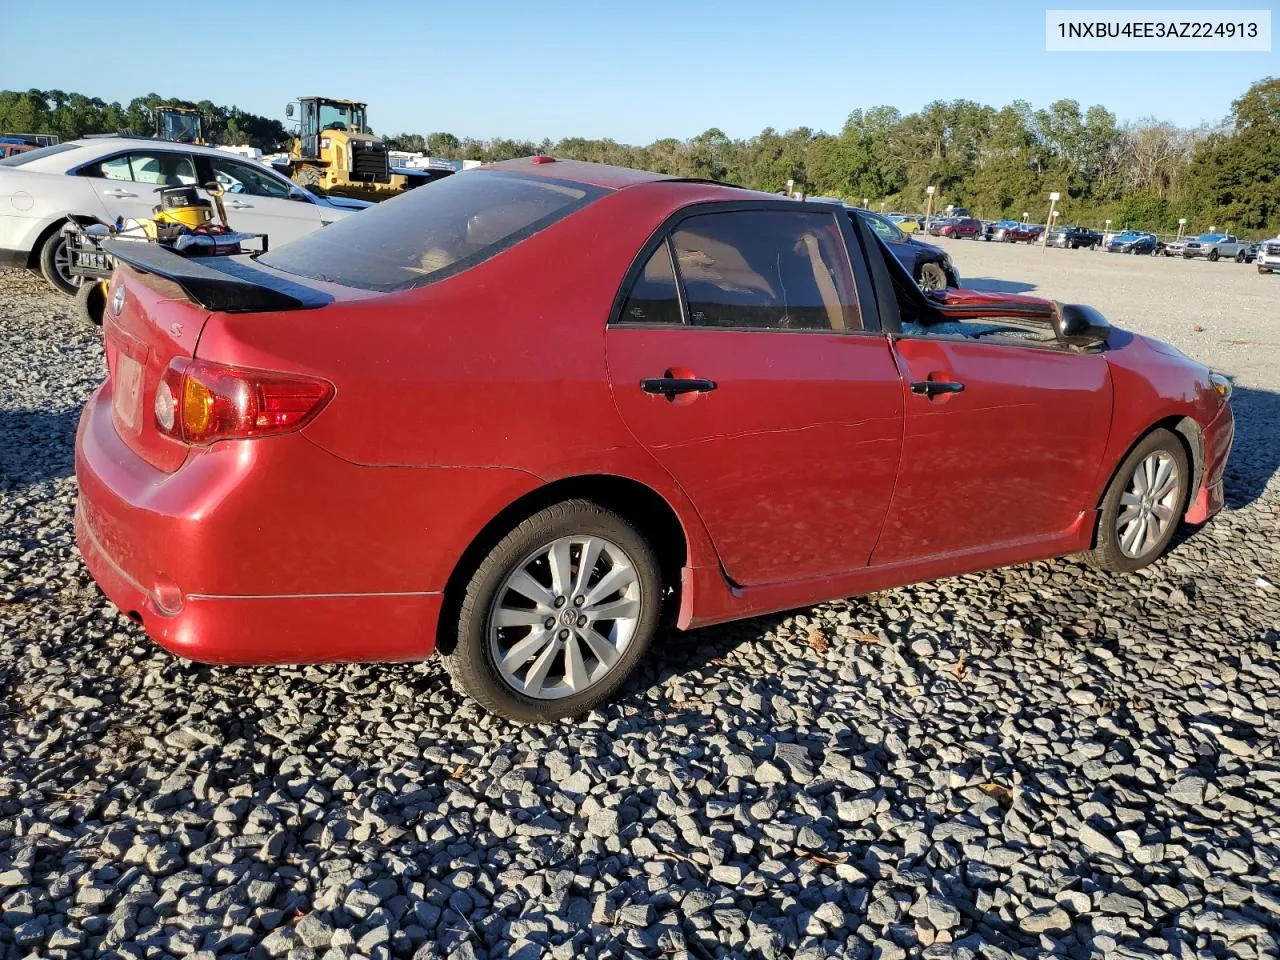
767 270
432 232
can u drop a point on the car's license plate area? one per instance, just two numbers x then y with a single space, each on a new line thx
127 392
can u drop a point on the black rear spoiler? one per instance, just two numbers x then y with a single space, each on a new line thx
222 284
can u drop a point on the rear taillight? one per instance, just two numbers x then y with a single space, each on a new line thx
201 402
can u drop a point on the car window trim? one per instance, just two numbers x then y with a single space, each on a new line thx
128 154
1056 346
662 235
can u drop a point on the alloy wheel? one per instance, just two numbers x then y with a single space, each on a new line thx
1149 505
563 617
62 263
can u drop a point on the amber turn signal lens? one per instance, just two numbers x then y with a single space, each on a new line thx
1221 384
197 407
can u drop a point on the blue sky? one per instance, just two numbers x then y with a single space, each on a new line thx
629 70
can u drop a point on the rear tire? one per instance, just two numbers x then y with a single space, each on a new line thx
309 176
91 302
1143 505
498 665
55 264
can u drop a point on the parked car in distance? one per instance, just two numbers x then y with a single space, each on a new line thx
1133 241
110 177
1017 232
929 266
937 224
1174 248
1074 237
722 403
1268 259
1212 246
962 228
907 223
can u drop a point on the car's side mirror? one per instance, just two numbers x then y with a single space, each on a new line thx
1078 325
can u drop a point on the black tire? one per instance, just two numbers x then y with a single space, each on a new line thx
932 276
54 261
91 302
1213 256
309 176
1262 269
1107 553
470 662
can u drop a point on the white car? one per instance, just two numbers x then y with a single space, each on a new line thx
1268 259
110 177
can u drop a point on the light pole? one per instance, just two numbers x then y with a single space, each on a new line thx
882 206
866 204
1107 230
1044 237
1182 226
928 210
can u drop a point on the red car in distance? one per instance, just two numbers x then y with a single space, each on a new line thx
964 227
525 415
1019 232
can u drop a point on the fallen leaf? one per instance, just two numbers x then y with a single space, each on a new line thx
457 774
958 670
1198 329
1002 794
866 638
825 861
817 641
720 662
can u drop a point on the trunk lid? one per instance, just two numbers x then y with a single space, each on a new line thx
155 324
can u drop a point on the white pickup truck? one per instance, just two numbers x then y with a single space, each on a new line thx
1268 259
1213 246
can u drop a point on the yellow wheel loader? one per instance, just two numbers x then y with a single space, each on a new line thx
336 151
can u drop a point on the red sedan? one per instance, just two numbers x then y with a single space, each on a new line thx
523 416
964 227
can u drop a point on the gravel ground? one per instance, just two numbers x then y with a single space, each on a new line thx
1033 761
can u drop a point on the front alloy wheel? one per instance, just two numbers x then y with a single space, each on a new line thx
556 615
1141 509
932 276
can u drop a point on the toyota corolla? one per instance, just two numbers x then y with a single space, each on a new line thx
527 415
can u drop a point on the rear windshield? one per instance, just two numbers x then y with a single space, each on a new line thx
433 231
18 159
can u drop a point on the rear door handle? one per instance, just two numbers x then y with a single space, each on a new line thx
240 205
674 386
119 193
933 388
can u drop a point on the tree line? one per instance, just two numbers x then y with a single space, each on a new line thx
999 162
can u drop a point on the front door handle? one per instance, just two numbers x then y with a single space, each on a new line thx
240 205
933 388
674 386
119 193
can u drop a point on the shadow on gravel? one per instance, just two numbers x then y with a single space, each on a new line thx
1255 455
992 285
36 445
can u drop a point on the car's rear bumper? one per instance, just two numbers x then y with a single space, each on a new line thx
1210 497
215 575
